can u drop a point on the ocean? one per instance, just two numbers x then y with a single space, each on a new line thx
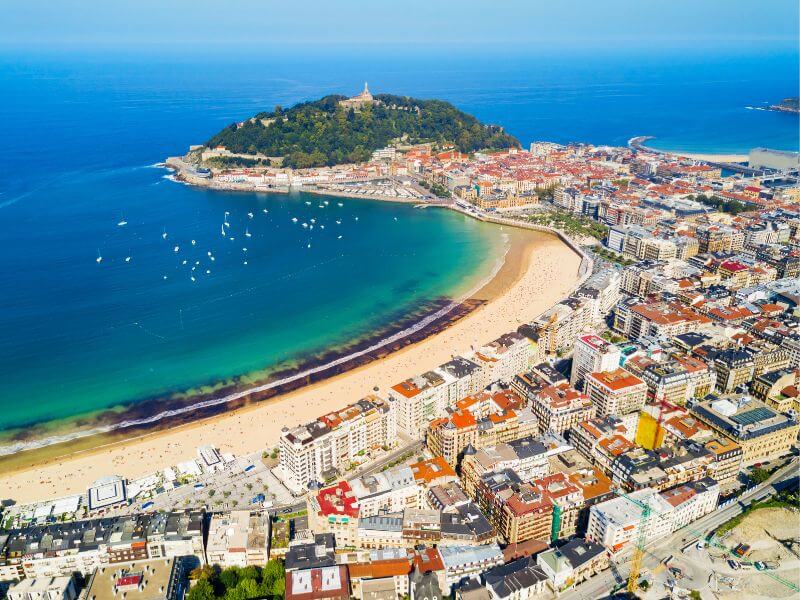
84 132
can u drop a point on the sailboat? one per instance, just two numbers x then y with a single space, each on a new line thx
127 259
99 258
176 248
249 215
222 230
247 232
164 235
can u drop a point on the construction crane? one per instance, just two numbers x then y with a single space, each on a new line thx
641 541
641 545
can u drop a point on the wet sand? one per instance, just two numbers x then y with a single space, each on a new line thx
539 270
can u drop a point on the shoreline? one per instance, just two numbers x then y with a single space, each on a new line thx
527 282
639 143
183 174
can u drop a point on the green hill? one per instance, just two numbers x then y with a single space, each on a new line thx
323 132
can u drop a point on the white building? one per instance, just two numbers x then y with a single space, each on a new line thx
44 588
238 539
692 500
615 523
317 450
592 354
391 491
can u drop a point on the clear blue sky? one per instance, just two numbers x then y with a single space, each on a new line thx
128 24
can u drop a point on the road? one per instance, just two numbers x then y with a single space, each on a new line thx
601 585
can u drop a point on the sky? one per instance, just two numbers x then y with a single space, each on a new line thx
247 25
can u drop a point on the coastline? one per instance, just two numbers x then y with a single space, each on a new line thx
184 174
639 143
529 281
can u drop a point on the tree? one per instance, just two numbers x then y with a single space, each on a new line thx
695 595
229 577
759 475
279 587
202 590
272 571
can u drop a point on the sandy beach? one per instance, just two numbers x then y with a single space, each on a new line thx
539 270
720 158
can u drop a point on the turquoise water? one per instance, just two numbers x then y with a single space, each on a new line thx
78 337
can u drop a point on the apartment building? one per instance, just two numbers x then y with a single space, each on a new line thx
527 457
592 354
418 401
450 436
335 510
601 440
692 500
557 328
239 538
678 380
318 450
559 407
615 523
60 549
517 510
503 358
616 392
657 319
390 491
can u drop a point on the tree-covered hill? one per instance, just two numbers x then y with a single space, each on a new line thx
323 132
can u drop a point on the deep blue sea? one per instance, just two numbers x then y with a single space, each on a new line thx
81 133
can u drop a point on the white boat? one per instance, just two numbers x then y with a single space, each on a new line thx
356 218
305 224
244 249
247 233
176 248
213 259
339 204
164 235
244 263
99 258
264 210
222 230
127 259
308 203
322 226
338 222
209 252
231 238
193 243
122 223
294 219
338 238
208 271
309 246
313 220
164 277
193 279
184 262
249 215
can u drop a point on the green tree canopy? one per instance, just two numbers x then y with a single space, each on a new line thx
323 132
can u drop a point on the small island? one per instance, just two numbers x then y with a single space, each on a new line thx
788 105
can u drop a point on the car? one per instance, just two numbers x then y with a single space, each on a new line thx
249 468
760 566
147 505
733 564
258 499
199 486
